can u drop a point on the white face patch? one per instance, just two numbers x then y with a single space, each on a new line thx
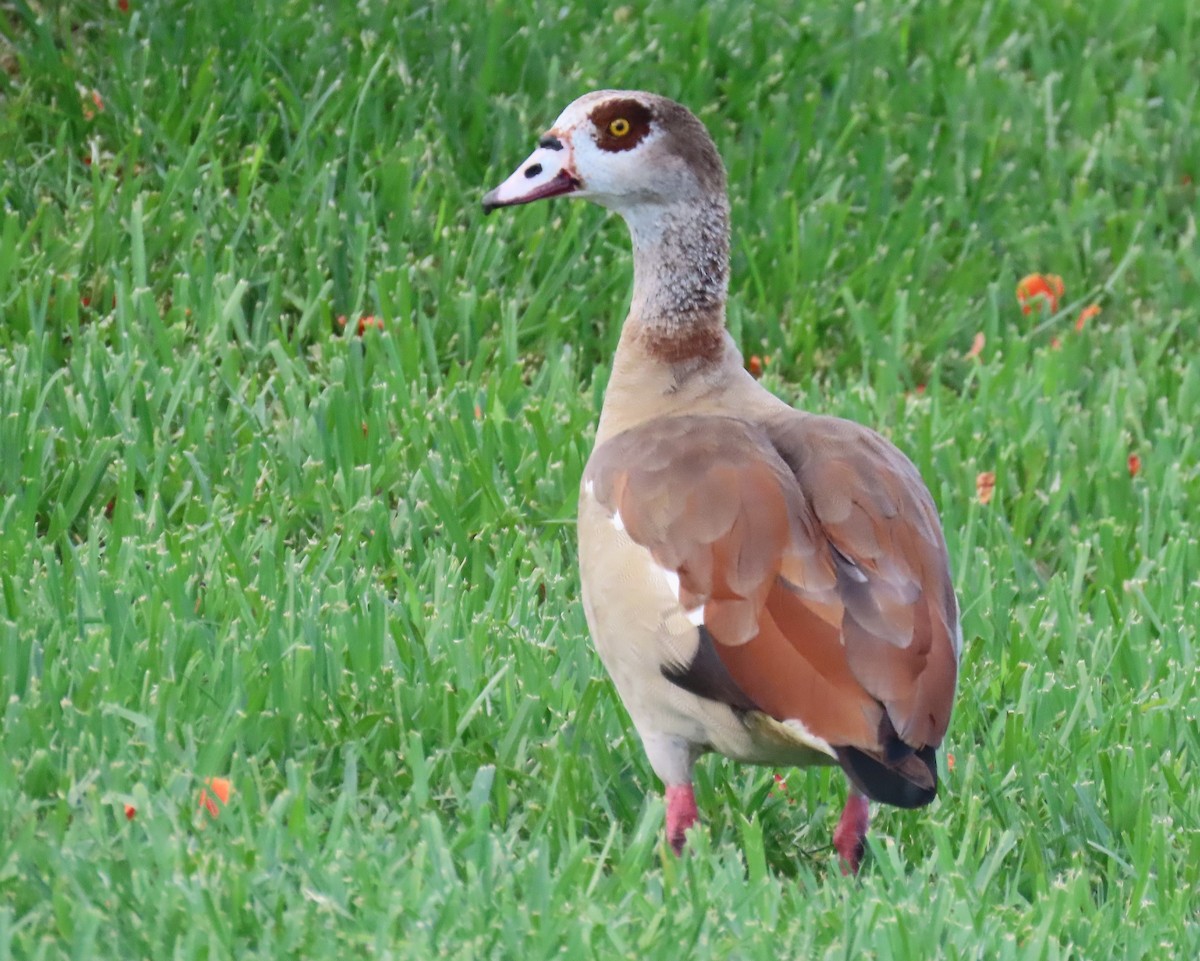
607 177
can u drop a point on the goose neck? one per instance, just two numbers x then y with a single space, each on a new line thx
680 277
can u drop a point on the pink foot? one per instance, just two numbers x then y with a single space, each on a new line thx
681 814
851 832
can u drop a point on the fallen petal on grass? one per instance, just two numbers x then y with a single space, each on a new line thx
1088 312
221 788
1135 465
364 323
985 486
1040 290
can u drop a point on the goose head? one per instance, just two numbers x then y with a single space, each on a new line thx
623 149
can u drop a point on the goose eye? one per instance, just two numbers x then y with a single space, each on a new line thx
619 127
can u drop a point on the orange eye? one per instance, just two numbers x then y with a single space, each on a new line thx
619 127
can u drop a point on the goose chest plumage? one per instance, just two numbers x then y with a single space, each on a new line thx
759 581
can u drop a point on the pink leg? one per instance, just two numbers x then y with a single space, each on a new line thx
851 832
681 814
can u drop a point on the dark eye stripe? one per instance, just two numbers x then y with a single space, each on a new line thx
636 113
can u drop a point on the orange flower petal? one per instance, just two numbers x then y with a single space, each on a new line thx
1043 289
130 812
755 366
1088 312
985 486
221 788
949 761
1135 465
977 345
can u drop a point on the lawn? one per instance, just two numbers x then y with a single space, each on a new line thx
290 441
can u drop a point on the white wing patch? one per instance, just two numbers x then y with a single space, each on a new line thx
695 614
805 736
671 578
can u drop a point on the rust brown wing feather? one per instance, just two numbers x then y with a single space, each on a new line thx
900 614
817 556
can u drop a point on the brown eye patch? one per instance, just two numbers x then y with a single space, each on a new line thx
621 124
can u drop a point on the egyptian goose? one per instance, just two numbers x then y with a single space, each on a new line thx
759 581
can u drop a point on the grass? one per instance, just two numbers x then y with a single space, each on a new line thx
237 539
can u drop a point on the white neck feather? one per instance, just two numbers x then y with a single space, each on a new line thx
680 263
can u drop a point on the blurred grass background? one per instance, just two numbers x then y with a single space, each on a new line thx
239 539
